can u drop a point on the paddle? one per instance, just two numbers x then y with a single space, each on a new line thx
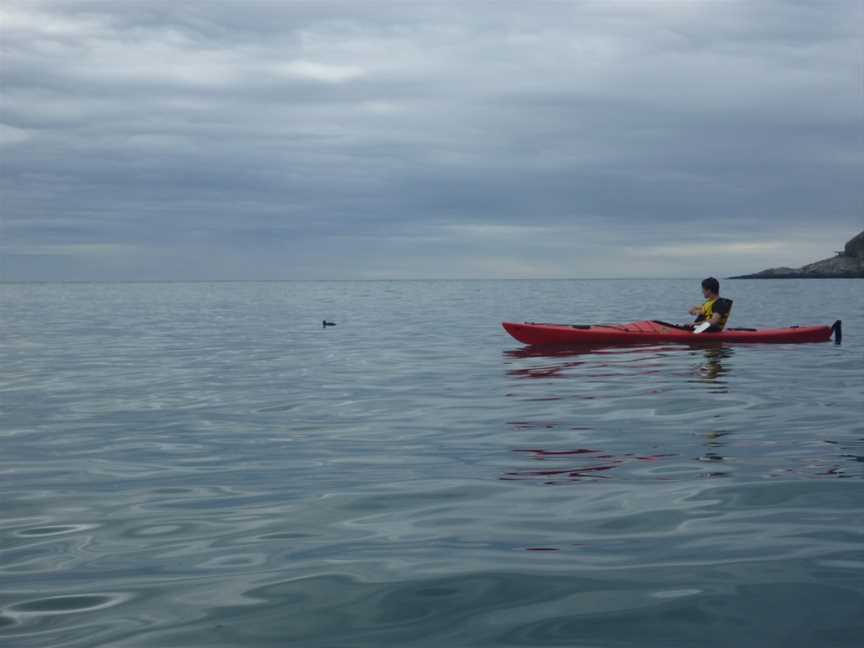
701 327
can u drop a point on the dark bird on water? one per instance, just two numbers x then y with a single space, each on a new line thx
325 323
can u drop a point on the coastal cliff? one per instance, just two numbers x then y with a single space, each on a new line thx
847 264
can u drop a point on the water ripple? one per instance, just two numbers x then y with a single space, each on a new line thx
201 465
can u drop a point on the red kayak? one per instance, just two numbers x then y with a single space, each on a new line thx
650 332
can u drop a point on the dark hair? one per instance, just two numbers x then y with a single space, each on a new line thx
711 284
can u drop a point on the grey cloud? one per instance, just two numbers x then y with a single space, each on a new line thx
295 139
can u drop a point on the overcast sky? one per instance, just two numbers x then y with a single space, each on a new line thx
370 139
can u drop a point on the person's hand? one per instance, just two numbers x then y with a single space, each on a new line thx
696 310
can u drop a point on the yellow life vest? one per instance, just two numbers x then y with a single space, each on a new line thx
708 312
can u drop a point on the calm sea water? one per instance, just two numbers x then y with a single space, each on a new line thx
204 465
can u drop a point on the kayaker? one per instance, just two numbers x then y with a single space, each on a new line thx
715 310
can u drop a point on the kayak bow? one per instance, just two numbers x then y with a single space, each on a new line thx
652 331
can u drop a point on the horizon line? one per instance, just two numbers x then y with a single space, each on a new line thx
334 279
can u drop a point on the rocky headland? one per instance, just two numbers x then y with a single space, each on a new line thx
846 264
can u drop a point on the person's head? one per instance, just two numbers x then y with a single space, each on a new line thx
710 287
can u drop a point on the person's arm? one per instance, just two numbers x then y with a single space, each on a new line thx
695 311
722 308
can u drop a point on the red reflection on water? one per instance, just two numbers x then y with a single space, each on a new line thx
601 462
539 453
609 365
607 362
603 363
532 425
600 350
834 471
579 473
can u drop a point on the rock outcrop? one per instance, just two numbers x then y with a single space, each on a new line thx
847 264
855 247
